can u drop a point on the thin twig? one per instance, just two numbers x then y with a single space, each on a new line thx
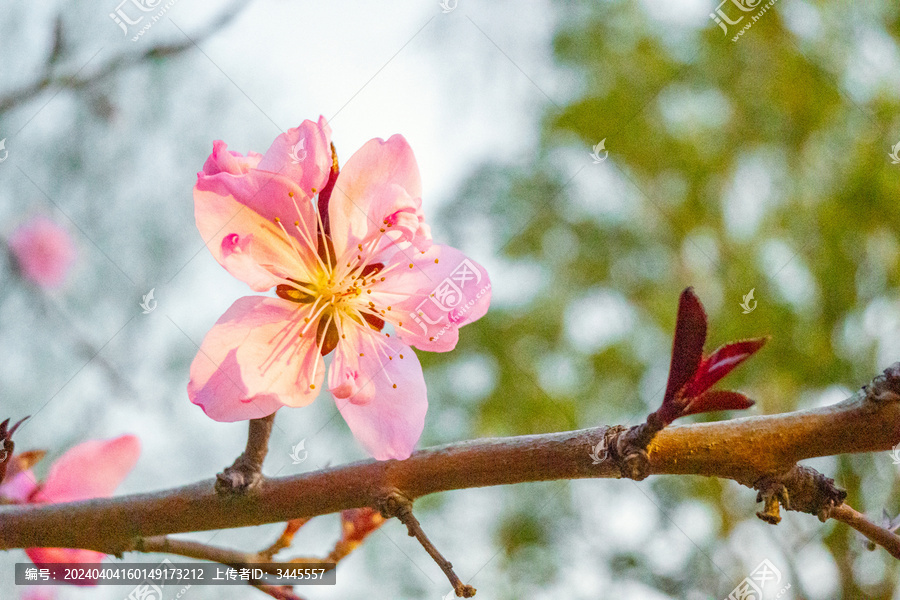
877 534
246 472
397 505
191 549
233 558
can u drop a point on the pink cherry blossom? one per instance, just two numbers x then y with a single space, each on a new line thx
355 273
44 252
38 593
92 469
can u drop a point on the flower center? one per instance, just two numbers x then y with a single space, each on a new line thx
334 293
333 302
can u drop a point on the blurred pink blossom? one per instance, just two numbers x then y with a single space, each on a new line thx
348 253
38 593
44 252
91 469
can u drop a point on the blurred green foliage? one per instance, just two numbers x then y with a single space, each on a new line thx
758 164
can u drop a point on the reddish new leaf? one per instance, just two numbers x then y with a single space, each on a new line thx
720 363
717 400
687 348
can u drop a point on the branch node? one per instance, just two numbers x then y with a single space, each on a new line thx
630 447
245 473
396 504
801 489
885 387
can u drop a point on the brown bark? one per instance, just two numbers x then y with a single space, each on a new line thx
745 450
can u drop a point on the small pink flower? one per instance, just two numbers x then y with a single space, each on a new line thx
92 469
38 593
44 252
349 255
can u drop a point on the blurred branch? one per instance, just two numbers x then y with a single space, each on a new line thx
86 348
73 80
285 539
190 549
231 558
356 526
279 592
748 450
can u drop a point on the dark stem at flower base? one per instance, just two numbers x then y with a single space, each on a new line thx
7 446
246 472
630 447
397 505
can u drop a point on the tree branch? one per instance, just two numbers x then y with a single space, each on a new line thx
883 537
246 472
397 505
744 450
114 66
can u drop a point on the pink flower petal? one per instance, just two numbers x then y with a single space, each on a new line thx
44 557
440 297
390 421
223 160
44 252
347 378
19 487
38 593
303 155
253 362
92 469
236 217
399 216
369 174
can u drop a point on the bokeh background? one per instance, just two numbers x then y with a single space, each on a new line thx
758 164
